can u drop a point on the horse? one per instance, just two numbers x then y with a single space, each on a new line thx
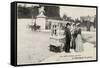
34 27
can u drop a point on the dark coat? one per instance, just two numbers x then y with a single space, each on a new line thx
67 35
67 40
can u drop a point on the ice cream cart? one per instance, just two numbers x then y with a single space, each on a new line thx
57 37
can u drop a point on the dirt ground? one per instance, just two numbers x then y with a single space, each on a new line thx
33 47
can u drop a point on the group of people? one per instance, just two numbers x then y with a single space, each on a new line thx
73 38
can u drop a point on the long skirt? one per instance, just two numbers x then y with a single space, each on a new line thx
72 43
79 43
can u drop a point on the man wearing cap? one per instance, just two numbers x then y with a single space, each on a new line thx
67 38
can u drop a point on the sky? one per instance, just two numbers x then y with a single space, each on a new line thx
74 12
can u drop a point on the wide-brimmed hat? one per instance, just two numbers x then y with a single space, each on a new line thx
77 24
73 24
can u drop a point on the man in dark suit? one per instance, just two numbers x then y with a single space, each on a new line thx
67 38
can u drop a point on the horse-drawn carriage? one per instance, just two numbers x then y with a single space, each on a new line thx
34 27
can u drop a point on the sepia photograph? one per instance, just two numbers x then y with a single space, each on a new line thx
50 33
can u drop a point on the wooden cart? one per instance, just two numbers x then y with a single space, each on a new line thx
57 37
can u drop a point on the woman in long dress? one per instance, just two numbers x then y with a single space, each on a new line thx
73 37
79 43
